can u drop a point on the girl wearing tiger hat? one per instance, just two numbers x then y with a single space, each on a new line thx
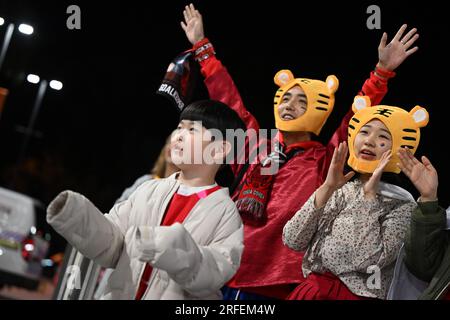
352 231
266 202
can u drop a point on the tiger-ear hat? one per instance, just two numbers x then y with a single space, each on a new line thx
320 101
403 126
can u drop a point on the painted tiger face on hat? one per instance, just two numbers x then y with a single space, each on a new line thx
318 104
404 129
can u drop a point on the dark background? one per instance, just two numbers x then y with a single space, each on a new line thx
106 126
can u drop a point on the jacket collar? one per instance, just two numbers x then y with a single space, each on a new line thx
298 145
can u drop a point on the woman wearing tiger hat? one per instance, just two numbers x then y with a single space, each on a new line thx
266 202
352 231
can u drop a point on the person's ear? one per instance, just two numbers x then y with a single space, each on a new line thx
167 153
226 148
221 150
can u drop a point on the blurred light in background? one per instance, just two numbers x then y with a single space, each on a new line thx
55 84
2 21
33 78
26 28
47 263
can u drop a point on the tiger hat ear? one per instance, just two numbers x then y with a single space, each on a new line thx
420 116
361 102
282 77
332 83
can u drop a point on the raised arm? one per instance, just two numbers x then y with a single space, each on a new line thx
322 207
390 57
220 85
426 242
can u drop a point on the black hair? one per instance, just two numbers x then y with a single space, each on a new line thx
213 115
217 115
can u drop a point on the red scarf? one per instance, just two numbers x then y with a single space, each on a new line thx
254 194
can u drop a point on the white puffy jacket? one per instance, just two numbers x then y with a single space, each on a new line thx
192 260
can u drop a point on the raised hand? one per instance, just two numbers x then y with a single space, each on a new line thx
193 24
371 186
335 177
392 55
422 174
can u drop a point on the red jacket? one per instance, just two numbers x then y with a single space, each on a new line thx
265 260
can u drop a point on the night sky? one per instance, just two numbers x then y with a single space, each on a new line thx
106 126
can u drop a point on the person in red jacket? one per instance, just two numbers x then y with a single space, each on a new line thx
266 202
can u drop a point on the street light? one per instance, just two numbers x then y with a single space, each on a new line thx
23 28
35 79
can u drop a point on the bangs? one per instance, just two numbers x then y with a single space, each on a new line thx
213 115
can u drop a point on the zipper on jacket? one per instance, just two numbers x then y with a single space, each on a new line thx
154 272
150 282
141 273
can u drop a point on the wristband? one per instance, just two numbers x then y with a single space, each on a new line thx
203 50
384 73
